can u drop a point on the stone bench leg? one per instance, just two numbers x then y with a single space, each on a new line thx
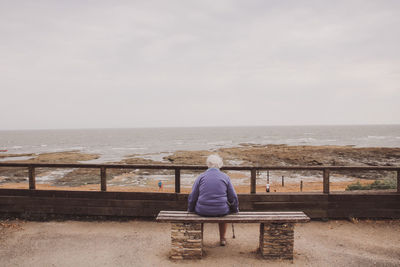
186 241
276 240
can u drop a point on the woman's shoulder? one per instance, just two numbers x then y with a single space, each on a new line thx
224 176
215 173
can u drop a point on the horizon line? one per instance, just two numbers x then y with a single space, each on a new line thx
205 126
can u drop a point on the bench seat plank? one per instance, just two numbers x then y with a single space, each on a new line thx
241 217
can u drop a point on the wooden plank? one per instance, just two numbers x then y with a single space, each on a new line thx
258 213
398 181
242 213
177 180
367 205
363 197
90 202
32 180
259 197
232 220
326 181
103 179
289 205
253 178
370 213
238 217
252 213
251 217
94 194
83 211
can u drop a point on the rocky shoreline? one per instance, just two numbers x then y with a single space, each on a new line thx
243 155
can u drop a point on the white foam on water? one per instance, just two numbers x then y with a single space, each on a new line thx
16 158
77 148
377 137
234 162
220 143
52 175
301 140
154 156
129 148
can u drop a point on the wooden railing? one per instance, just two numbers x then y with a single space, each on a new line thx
177 168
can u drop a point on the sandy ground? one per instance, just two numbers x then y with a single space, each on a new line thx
147 243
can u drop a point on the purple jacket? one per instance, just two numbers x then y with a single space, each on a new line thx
212 193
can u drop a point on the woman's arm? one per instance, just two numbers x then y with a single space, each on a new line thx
194 195
232 198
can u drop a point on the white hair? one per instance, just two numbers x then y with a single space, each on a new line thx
214 161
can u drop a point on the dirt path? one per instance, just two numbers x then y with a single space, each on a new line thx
144 243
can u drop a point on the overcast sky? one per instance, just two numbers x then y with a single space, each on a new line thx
101 64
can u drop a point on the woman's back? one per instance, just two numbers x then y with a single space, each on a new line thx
212 191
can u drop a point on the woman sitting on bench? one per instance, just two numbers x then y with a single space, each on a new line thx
213 194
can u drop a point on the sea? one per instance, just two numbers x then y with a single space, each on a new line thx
155 143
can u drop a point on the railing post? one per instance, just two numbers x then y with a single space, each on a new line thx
253 181
398 181
103 178
32 179
177 180
326 181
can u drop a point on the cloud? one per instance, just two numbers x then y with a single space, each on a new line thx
126 64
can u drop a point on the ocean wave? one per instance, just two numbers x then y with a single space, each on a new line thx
377 137
129 148
77 148
301 140
154 156
220 143
235 162
16 158
53 175
179 142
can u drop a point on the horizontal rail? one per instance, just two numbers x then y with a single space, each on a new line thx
200 167
177 168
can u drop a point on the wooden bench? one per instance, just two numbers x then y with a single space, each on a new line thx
276 231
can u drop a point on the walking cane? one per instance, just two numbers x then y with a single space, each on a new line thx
233 231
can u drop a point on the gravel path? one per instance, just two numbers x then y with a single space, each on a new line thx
145 243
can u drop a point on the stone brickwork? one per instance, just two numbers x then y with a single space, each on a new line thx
186 241
276 240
